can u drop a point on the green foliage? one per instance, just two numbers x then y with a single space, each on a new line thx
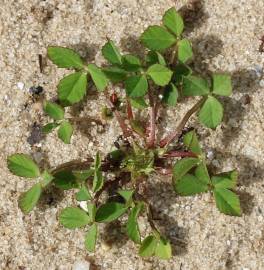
54 110
64 57
115 186
65 132
72 88
157 38
173 21
211 113
72 218
23 165
160 74
29 199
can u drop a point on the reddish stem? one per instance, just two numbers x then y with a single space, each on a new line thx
175 134
152 121
173 154
130 115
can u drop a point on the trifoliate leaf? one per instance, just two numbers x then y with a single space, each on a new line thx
227 202
160 74
163 249
222 84
190 140
22 165
202 174
225 180
65 132
131 63
99 78
148 246
72 88
170 95
138 103
91 237
180 71
189 185
115 74
132 228
195 86
109 212
157 38
173 21
46 178
185 52
64 57
136 86
111 53
29 199
49 127
154 57
83 194
65 180
54 110
73 217
211 113
183 166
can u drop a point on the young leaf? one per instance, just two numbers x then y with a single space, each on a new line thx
202 174
29 199
222 85
189 185
73 217
211 113
83 174
49 127
139 103
83 194
132 228
173 21
181 70
195 86
136 86
97 161
227 202
72 88
98 180
46 178
64 57
131 63
22 165
91 237
148 246
163 249
111 53
54 110
225 180
98 77
190 140
126 194
109 212
154 57
65 180
170 95
160 74
65 132
115 74
157 38
185 52
183 166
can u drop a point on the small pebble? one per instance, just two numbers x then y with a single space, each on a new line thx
81 265
261 83
20 85
83 205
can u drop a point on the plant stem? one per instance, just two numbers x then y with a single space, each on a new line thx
152 121
175 134
125 129
173 54
173 154
130 115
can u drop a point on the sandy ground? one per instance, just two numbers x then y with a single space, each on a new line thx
225 35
